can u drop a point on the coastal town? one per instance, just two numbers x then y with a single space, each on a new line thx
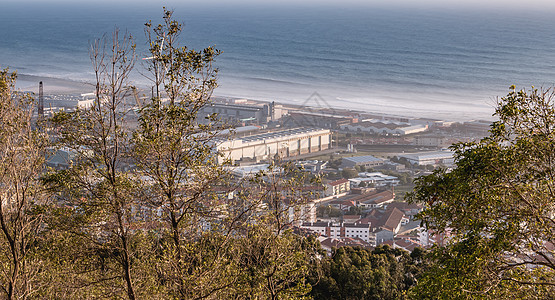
365 164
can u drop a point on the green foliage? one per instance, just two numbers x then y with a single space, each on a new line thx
334 163
194 243
22 197
404 177
273 266
358 273
402 160
328 211
498 206
355 210
349 173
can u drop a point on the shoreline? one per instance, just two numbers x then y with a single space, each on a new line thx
51 85
59 86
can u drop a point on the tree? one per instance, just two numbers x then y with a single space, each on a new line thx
173 150
497 206
144 212
355 210
328 211
203 235
101 193
272 261
358 273
22 157
349 173
273 266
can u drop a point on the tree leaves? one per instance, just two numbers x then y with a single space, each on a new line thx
497 202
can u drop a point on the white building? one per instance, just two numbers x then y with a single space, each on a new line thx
302 213
376 178
342 230
337 187
252 170
367 161
256 112
431 141
429 158
284 143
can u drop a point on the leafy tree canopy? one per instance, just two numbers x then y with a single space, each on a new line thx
497 207
358 273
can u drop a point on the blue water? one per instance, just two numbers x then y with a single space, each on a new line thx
448 64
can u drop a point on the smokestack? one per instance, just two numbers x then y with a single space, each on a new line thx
41 101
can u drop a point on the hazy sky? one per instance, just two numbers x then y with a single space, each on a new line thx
520 4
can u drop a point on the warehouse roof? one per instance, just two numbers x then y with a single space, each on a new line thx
362 159
428 155
281 133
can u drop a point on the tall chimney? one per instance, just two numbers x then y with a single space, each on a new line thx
41 101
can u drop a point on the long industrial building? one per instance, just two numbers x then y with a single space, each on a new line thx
384 127
284 143
429 158
249 113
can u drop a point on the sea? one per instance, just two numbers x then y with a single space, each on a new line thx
441 63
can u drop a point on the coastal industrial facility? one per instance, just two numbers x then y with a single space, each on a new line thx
283 143
241 111
384 127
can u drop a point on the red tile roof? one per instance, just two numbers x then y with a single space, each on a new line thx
407 245
338 182
394 218
404 206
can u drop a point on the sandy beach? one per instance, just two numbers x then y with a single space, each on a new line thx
30 83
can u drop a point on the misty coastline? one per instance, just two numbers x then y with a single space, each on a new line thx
312 100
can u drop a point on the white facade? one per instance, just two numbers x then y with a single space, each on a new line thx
342 230
431 141
430 158
284 143
377 178
362 232
302 213
337 187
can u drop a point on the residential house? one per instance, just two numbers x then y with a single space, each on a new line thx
342 204
375 200
341 230
337 187
406 244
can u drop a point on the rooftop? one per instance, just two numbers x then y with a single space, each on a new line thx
362 159
428 155
346 241
393 219
338 182
281 133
